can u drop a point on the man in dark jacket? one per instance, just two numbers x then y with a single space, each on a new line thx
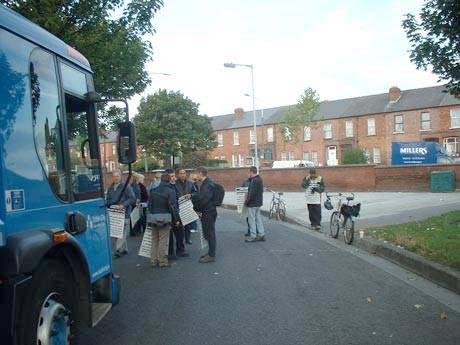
177 232
203 202
121 198
161 201
253 202
185 187
246 184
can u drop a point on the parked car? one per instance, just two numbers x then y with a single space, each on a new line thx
292 164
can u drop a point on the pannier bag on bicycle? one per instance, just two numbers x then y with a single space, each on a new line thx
328 204
347 210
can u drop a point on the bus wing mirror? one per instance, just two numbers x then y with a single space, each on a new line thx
126 143
93 97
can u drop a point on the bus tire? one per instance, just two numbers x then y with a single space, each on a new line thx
49 309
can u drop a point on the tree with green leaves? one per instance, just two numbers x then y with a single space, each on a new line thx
110 33
300 115
169 124
354 156
435 40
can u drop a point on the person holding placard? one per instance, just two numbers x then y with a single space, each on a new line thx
162 213
314 187
203 202
185 187
121 196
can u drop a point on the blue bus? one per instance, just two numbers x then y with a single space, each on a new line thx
55 250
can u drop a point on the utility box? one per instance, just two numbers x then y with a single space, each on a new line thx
442 181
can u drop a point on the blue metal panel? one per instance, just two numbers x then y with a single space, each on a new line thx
21 168
413 153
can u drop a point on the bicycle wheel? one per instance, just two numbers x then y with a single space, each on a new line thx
334 224
348 230
282 211
272 211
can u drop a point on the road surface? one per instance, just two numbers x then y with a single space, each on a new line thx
298 287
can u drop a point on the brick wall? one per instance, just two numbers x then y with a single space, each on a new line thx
417 178
345 178
351 178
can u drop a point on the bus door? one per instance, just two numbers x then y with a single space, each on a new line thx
85 174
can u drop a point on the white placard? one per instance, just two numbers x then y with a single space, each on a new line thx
135 216
116 222
203 242
241 195
146 246
186 213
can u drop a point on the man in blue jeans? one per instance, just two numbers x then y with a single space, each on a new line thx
253 202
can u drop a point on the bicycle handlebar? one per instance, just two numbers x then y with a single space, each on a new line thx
328 195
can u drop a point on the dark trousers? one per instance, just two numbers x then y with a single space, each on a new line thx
314 212
187 232
171 250
208 222
179 236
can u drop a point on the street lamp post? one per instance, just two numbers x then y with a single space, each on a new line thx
262 124
254 119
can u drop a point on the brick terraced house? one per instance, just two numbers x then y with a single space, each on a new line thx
368 122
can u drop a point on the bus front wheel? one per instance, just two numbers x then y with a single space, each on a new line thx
48 311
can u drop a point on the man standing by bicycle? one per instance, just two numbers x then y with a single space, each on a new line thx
314 186
253 202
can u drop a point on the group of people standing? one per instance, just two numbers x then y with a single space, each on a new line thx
161 198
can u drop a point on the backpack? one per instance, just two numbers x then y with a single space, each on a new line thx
218 194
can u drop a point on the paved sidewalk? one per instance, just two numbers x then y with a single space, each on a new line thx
377 208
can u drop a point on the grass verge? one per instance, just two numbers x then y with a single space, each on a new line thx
436 238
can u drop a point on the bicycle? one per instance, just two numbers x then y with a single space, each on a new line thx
277 206
342 217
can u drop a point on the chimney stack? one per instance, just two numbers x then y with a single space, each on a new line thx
239 113
394 94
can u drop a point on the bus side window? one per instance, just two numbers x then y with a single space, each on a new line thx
85 167
45 119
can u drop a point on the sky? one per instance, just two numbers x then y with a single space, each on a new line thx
340 48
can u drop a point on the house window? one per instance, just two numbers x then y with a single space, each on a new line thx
399 124
292 156
114 149
222 158
307 133
370 126
252 137
455 118
220 139
270 134
328 131
426 121
377 155
283 156
241 161
349 129
234 161
451 145
236 138
305 156
102 150
268 154
314 157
